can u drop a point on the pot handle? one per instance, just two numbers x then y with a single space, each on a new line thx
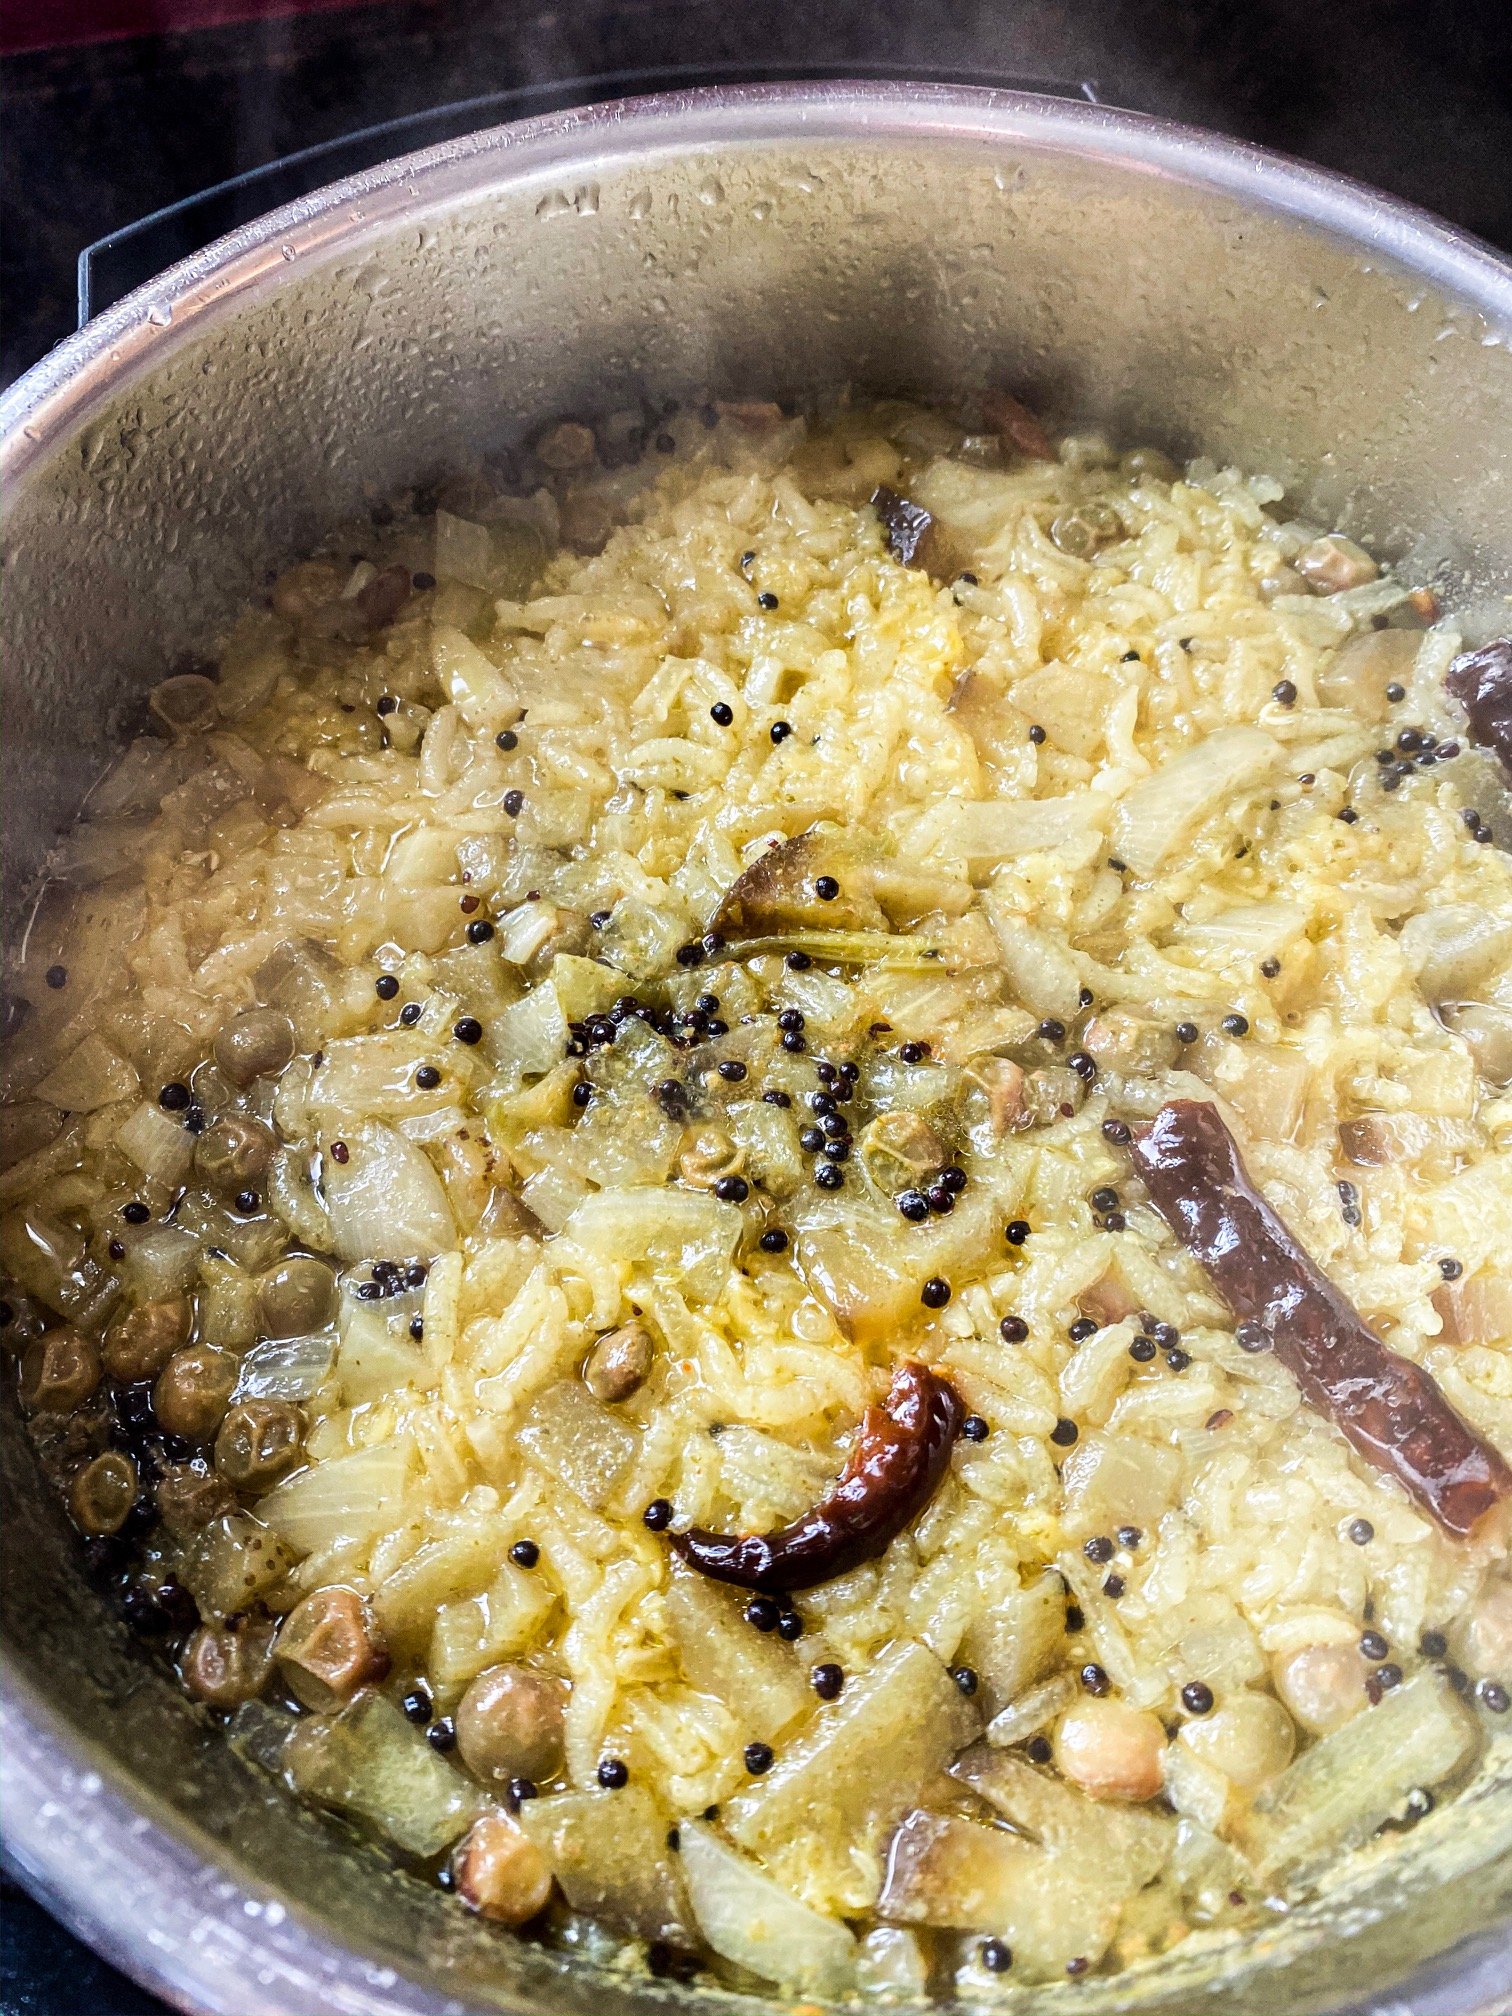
112 266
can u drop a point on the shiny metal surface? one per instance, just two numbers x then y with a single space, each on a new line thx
1166 285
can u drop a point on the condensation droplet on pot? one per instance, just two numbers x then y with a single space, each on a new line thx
761 211
640 206
289 251
160 314
711 192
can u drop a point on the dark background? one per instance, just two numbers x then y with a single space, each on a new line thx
1412 95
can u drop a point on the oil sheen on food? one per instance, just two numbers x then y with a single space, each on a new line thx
758 1185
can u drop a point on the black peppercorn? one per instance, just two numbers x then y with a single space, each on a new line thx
1197 1698
386 986
1129 1536
1064 1433
913 1053
1116 1131
658 1515
1013 1329
613 1774
468 1029
1094 1679
409 1014
1142 1350
1039 1750
965 1678
135 1213
479 931
826 888
828 1679
732 1189
773 1240
1052 1031
1235 1025
174 1097
997 1955
442 1735
1433 1644
781 730
1186 1032
1016 1231
762 1613
1083 1328
935 1293
722 713
975 1429
417 1705
829 1176
56 977
1360 1531
914 1205
1373 1645
507 739
1098 1549
525 1553
427 1077
1451 1269
1284 693
1036 735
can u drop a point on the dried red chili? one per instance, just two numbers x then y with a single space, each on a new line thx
899 1458
1482 683
1390 1410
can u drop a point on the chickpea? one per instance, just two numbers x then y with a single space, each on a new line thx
189 1497
509 1724
103 1493
256 1045
257 1442
1111 1750
193 1391
618 1364
59 1371
501 1874
1322 1686
224 1665
329 1647
142 1339
305 587
1249 1739
296 1297
235 1154
1484 1638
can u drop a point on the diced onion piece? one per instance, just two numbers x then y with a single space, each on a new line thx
90 1076
756 1678
1017 1640
1451 950
1128 1844
479 691
1041 972
464 551
164 1262
235 1560
848 1778
1034 1710
687 1238
1247 930
287 1368
386 1200
1165 810
982 831
372 1763
160 1146
531 1036
481 1630
1050 1908
579 1442
341 1500
750 1919
608 1851
1340 1791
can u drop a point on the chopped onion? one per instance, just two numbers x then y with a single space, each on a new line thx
164 1262
531 1036
1002 829
582 1444
1451 950
684 1237
756 1678
287 1368
464 552
751 1920
161 1147
1034 1709
386 1200
1163 811
341 1500
608 1851
370 1762
90 1076
1041 972
1246 930
479 691
1340 1791
848 1778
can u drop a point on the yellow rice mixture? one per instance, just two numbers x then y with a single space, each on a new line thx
1119 751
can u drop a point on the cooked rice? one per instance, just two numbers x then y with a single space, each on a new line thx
306 813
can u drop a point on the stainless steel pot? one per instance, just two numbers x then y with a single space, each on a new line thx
1165 284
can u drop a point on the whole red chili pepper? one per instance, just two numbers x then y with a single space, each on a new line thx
1390 1410
900 1456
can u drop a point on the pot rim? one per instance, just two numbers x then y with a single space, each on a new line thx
60 391
70 1817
